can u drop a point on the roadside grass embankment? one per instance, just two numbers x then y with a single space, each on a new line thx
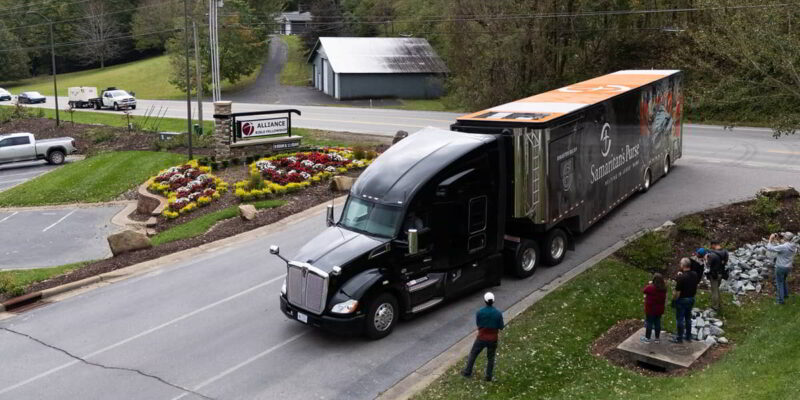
148 78
545 352
202 224
13 283
96 179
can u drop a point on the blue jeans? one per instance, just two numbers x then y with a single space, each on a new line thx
781 288
652 322
683 315
477 347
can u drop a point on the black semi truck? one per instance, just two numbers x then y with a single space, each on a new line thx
443 213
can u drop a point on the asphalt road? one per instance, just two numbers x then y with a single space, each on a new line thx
17 173
51 237
212 325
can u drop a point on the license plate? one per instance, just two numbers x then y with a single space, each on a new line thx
302 318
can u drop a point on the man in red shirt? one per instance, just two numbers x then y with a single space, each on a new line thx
490 322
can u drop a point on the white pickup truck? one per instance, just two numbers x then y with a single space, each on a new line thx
86 96
16 147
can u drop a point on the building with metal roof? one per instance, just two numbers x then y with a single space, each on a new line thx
293 22
358 68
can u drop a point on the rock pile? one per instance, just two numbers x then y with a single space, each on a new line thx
707 327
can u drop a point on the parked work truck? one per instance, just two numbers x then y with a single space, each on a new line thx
442 213
113 98
16 147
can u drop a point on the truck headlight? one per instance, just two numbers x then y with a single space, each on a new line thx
347 307
283 288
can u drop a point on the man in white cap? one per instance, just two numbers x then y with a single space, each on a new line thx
783 263
490 322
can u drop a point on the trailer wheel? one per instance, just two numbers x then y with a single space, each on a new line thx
555 246
646 180
525 259
666 165
382 315
56 157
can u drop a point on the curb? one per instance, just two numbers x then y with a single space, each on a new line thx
423 376
167 260
121 218
162 202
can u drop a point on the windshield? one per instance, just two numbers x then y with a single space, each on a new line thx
371 218
118 93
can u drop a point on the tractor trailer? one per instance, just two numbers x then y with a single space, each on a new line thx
445 212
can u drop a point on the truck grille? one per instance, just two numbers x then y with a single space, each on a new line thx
306 287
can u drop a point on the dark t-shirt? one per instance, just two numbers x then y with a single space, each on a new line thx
714 262
687 284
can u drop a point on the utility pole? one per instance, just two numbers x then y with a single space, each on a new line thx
213 37
188 80
53 62
199 79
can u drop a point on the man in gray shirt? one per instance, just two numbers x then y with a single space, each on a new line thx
783 262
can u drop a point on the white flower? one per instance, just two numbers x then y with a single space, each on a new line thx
319 166
330 169
307 163
176 177
305 175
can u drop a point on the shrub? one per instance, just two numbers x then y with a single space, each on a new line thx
8 286
371 155
236 161
225 164
203 162
359 153
651 252
765 207
248 160
214 166
692 225
100 134
256 181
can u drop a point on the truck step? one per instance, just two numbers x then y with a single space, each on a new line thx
426 305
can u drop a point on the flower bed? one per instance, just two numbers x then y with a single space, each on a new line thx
286 173
187 187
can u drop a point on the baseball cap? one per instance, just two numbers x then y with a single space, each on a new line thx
701 251
788 236
488 297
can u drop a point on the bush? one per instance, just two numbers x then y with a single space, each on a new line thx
203 162
359 153
371 155
214 166
100 134
765 207
8 287
248 160
236 161
256 181
225 163
692 225
651 252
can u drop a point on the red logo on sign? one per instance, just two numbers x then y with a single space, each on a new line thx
247 129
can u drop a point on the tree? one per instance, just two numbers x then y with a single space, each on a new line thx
155 16
101 33
14 64
750 61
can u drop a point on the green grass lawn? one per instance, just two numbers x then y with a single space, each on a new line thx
149 78
297 71
440 104
544 353
13 283
201 225
95 179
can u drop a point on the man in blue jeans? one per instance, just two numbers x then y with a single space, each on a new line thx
683 300
783 263
490 322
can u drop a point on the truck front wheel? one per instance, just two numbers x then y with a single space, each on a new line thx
382 315
116 107
525 259
555 247
56 157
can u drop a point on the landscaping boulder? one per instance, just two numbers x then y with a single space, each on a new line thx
668 229
342 183
779 192
400 135
247 212
126 241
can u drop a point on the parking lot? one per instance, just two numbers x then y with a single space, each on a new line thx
17 173
55 236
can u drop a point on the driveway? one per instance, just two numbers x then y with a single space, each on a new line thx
267 88
47 237
17 173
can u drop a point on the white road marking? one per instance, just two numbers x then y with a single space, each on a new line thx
139 335
59 221
242 364
4 219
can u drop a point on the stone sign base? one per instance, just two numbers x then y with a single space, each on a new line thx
665 354
251 147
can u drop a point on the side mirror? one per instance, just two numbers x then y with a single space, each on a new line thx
329 216
413 242
274 250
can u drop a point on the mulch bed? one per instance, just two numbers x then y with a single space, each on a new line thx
606 347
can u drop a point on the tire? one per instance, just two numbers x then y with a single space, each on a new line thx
525 259
96 106
116 107
666 166
554 247
133 107
647 181
56 157
382 316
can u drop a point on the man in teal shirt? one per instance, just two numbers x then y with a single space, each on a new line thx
490 322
